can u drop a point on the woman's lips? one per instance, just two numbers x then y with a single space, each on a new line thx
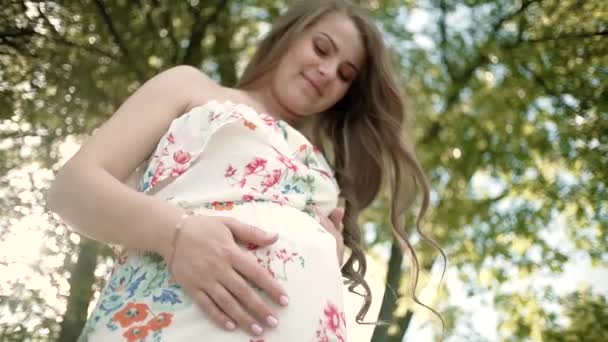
315 86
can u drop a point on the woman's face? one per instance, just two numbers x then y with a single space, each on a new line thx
319 67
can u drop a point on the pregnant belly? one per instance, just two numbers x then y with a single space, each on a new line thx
295 228
303 260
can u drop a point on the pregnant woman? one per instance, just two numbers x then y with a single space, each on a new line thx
224 238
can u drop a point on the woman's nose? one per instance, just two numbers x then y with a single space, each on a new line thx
327 69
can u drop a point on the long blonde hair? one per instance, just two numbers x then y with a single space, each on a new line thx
363 132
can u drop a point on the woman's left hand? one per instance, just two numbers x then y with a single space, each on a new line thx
333 224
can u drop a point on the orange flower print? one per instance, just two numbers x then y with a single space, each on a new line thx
160 321
332 317
181 157
249 124
133 312
255 166
136 333
222 205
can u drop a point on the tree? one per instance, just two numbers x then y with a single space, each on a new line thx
65 68
510 118
587 315
510 100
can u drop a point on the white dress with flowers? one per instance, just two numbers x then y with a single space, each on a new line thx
223 158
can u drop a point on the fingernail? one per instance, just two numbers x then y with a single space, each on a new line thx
230 326
265 233
256 329
284 300
273 322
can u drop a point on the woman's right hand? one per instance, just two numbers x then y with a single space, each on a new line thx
217 273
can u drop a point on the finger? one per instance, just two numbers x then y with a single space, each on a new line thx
215 314
248 267
336 216
246 295
246 233
233 309
324 221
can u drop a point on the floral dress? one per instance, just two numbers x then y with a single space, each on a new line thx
223 158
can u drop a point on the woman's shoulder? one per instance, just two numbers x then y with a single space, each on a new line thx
204 89
199 86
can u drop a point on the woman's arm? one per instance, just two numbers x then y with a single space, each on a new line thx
89 195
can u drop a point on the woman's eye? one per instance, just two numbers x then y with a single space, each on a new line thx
320 50
344 77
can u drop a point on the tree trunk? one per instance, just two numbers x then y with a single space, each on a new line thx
81 282
223 51
391 294
402 323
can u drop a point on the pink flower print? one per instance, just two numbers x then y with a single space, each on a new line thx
178 170
287 162
268 120
255 166
230 171
165 151
242 182
171 138
285 256
325 173
331 325
280 199
303 147
181 157
315 149
271 179
247 198
158 172
332 317
213 116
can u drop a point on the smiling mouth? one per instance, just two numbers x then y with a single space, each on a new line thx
312 85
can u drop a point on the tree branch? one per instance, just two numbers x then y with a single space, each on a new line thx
118 40
19 33
168 25
199 30
444 39
567 36
59 38
481 59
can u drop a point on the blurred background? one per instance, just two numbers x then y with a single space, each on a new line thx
510 110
